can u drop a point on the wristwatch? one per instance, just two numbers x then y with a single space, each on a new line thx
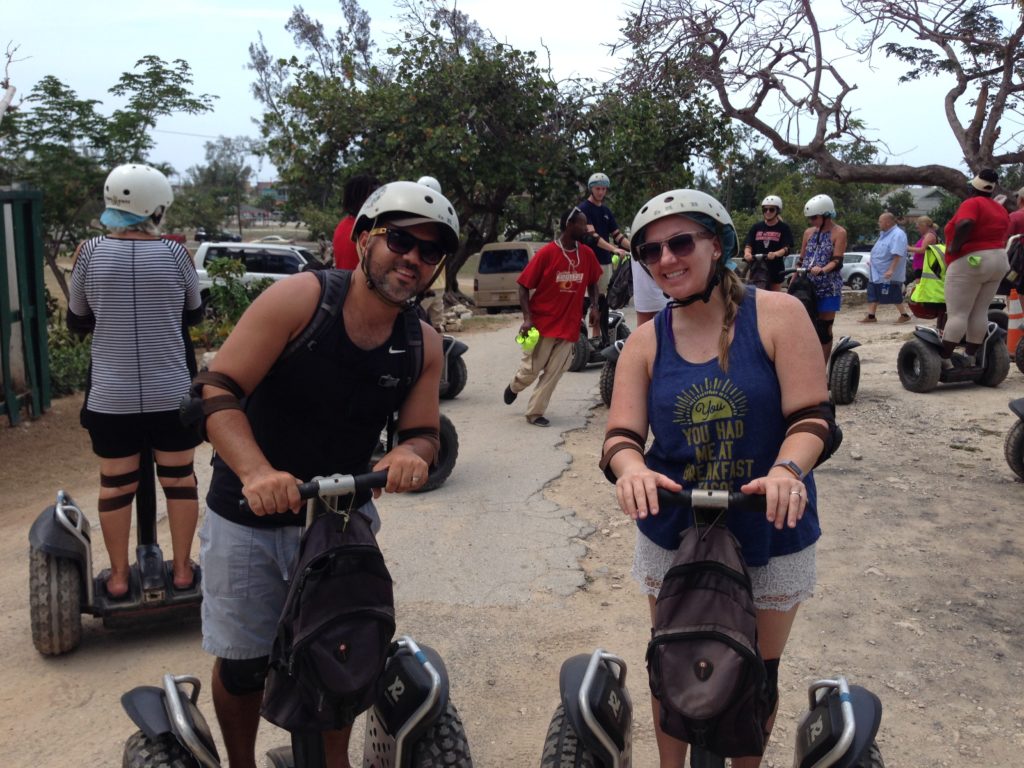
792 466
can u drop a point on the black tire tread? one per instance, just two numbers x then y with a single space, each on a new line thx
562 747
444 745
997 364
1013 448
873 758
55 603
446 459
140 751
580 354
844 378
458 375
607 382
1018 355
930 364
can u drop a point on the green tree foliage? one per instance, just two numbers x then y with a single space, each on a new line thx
61 144
214 192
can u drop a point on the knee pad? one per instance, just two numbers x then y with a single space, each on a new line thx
116 481
771 668
179 471
824 330
241 677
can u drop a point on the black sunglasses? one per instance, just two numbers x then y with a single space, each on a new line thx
680 245
401 242
769 209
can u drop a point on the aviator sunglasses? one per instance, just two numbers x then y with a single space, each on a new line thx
769 209
680 245
401 242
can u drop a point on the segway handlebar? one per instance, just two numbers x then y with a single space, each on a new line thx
334 485
705 499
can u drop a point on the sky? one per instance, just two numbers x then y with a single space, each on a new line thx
88 45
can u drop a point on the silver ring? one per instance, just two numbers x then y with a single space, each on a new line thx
796 493
415 478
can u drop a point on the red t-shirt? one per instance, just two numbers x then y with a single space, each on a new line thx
559 282
345 256
991 223
1016 223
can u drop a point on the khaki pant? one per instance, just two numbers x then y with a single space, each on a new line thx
969 290
548 360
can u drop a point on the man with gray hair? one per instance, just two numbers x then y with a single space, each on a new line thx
888 269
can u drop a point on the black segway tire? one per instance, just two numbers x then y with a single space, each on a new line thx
580 354
563 747
873 758
607 382
1013 449
165 751
55 603
444 745
1018 355
844 378
919 366
457 377
997 364
446 457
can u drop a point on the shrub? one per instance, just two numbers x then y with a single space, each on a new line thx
69 360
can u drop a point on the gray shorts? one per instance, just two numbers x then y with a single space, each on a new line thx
245 582
779 585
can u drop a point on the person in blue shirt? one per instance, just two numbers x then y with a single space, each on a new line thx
729 381
605 239
888 267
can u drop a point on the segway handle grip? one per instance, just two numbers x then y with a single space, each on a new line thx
334 485
702 498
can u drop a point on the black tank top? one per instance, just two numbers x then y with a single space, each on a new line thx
319 413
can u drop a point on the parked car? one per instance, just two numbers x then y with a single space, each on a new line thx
494 284
856 270
261 260
204 235
274 239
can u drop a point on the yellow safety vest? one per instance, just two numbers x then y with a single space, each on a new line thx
931 288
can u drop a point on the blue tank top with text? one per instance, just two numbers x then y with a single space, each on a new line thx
720 430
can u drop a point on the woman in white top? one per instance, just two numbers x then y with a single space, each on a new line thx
137 293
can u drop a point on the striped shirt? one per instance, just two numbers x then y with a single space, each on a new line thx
138 291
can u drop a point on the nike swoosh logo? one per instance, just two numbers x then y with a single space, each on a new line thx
393 351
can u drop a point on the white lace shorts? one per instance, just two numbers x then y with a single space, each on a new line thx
786 580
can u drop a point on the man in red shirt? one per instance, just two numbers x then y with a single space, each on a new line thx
357 189
558 275
1017 217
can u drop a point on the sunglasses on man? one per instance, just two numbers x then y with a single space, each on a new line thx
679 245
769 209
401 242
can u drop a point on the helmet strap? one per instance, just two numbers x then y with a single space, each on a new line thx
704 296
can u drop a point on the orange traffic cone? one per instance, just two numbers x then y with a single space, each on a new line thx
1015 327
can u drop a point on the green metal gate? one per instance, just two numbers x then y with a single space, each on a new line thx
24 362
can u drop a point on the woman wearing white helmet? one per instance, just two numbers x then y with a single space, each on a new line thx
728 381
821 254
131 289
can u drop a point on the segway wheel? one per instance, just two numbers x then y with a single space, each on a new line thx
607 381
844 378
444 745
140 751
563 747
873 758
457 377
55 603
1018 355
580 354
919 366
997 364
446 457
1013 449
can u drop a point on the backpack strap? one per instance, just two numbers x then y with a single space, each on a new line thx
414 338
333 289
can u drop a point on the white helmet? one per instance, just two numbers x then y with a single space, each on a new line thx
429 181
598 180
820 205
772 200
133 193
687 202
423 205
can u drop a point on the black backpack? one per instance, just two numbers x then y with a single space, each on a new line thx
703 662
801 287
335 629
620 285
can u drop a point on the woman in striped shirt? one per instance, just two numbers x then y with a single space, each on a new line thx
137 293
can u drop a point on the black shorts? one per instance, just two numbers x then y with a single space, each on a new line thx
118 435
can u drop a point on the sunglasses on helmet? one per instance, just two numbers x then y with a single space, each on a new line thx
401 242
680 245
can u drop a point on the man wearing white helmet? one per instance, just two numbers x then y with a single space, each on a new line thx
728 381
291 427
604 238
131 289
771 238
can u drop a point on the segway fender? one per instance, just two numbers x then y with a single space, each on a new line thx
407 685
612 351
609 705
145 706
452 347
49 536
1017 407
845 343
867 713
928 335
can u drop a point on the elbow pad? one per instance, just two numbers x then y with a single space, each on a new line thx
194 409
80 325
830 434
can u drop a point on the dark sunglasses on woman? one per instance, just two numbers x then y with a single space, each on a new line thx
401 242
680 245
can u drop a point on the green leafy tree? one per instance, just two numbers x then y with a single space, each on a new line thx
215 191
61 144
774 66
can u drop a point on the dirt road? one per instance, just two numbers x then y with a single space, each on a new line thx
919 595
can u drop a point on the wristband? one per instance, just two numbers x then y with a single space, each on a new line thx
792 466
